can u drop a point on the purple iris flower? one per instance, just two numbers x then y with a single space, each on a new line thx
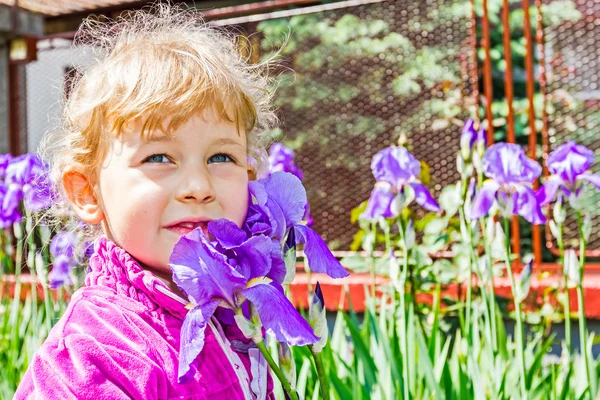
211 279
30 174
62 249
569 165
10 199
277 206
281 158
395 170
511 174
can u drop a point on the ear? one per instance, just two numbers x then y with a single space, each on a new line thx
82 197
251 173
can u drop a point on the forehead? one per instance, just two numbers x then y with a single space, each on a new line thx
203 126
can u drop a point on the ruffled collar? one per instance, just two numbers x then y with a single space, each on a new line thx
113 267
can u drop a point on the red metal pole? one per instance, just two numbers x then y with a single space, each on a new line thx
487 73
508 91
536 236
474 68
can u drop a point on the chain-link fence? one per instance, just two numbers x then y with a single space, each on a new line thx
573 71
355 77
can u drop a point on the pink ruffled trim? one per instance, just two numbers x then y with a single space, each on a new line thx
111 266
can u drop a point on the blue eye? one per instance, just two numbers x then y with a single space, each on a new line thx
157 158
220 158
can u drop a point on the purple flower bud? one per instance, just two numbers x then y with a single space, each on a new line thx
525 282
468 139
318 301
317 317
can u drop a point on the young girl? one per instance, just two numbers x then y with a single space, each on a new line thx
161 135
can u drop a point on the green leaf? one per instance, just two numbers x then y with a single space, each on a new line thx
341 389
362 353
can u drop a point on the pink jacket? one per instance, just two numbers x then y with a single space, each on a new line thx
119 339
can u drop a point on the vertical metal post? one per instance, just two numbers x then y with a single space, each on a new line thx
474 69
508 91
539 36
536 237
487 72
14 109
541 50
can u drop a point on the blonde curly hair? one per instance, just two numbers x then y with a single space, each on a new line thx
150 64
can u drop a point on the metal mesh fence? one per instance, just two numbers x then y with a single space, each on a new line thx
363 76
573 60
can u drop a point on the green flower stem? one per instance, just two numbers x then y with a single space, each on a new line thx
492 310
372 258
464 189
275 368
322 374
567 305
581 306
42 270
484 296
32 270
519 327
403 276
16 300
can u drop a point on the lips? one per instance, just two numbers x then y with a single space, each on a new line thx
185 227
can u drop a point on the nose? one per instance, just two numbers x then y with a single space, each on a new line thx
196 186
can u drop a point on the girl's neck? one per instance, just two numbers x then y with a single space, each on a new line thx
166 278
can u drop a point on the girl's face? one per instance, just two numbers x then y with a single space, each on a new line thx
153 192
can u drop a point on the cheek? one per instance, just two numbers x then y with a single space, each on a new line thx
129 200
234 198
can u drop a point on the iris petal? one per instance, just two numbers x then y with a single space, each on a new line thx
319 257
592 178
396 166
279 316
484 199
507 163
547 192
278 221
258 194
192 338
424 198
227 233
287 191
278 269
528 207
61 271
253 257
379 202
570 160
201 271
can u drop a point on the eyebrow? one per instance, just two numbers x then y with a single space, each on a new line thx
173 138
224 141
161 138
